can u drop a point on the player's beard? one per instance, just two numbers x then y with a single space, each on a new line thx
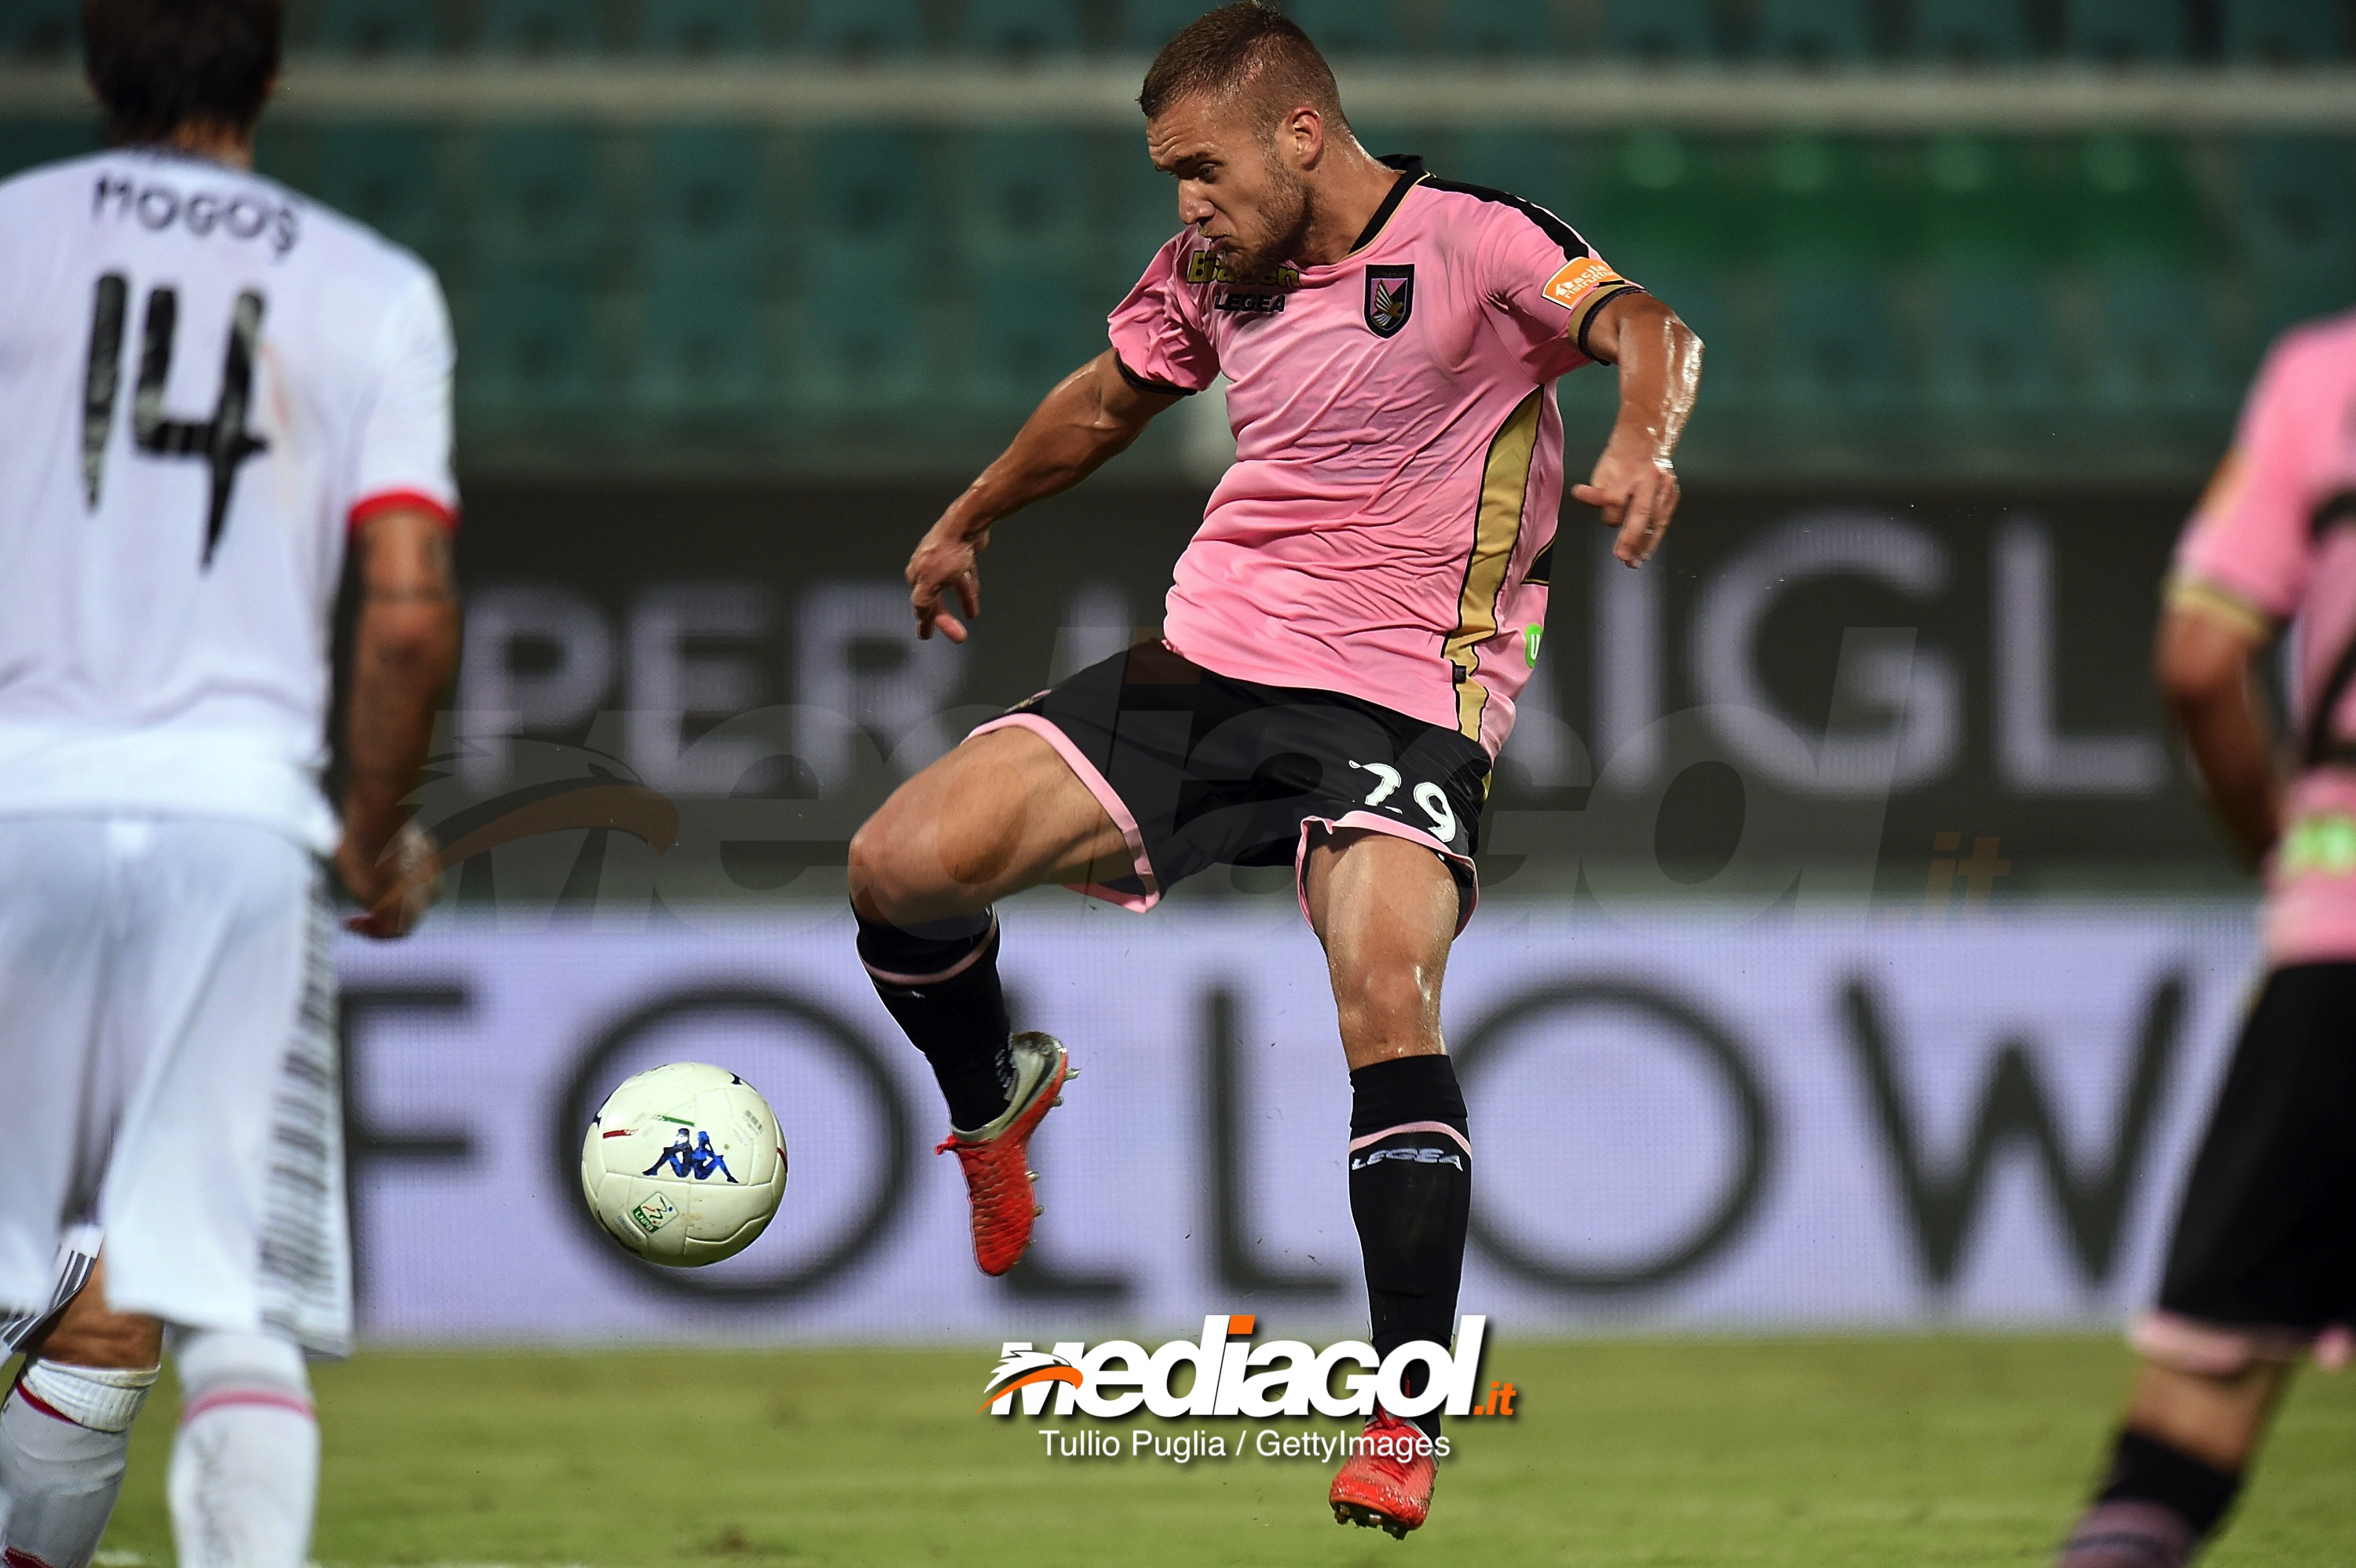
1284 219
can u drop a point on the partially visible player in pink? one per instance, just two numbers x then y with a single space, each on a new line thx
2262 1266
1344 641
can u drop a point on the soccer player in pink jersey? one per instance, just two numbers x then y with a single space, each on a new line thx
1344 644
2261 1267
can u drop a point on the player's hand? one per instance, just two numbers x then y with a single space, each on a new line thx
946 563
396 886
1637 492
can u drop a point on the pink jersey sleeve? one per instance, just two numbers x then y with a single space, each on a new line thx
1156 331
2249 541
1547 284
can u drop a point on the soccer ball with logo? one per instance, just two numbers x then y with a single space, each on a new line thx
684 1164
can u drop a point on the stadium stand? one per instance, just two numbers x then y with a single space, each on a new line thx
533 28
372 28
1021 29
699 29
1502 30
1971 32
2285 32
37 29
1345 28
2120 31
1662 29
542 208
860 31
390 178
1815 32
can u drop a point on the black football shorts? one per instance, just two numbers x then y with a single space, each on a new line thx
2263 1262
1199 770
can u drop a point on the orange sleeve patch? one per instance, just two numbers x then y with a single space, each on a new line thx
1580 278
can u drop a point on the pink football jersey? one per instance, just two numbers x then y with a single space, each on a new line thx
2275 540
1384 530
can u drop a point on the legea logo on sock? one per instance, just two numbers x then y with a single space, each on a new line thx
1235 1377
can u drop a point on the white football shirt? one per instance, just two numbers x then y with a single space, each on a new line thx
206 381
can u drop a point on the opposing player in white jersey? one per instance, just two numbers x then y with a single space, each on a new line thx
213 393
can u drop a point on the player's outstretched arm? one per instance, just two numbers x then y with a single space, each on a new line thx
1093 414
2207 661
1635 485
404 650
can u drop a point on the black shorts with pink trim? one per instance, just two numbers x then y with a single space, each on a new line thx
2262 1261
1199 770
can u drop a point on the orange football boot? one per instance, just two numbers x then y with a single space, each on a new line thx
997 1175
1379 1490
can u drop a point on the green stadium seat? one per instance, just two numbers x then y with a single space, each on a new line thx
24 143
864 29
1812 31
2155 347
379 26
1349 26
2119 31
868 221
701 349
1993 347
538 27
1971 32
40 29
702 216
2285 32
541 212
1021 203
1836 348
864 355
1662 29
2134 203
1982 205
700 28
1021 29
1504 31
1531 165
530 353
1032 332
2296 225
1659 209
386 177
1824 205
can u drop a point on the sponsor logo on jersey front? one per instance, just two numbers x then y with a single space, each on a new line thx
1210 267
1390 298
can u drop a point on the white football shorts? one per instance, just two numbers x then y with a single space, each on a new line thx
169 1076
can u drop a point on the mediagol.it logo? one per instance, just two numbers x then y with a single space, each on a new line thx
1233 1377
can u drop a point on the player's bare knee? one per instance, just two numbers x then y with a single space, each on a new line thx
1387 1010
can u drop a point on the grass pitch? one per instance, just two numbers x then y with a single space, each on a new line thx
1818 1452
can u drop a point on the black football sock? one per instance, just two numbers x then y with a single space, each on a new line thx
2156 1506
1411 1196
939 980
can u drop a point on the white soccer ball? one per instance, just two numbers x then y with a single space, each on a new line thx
684 1164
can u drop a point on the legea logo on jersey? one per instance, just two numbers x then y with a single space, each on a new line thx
1234 1377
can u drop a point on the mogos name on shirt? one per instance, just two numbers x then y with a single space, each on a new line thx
156 205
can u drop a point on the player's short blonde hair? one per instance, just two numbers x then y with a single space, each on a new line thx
1246 53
